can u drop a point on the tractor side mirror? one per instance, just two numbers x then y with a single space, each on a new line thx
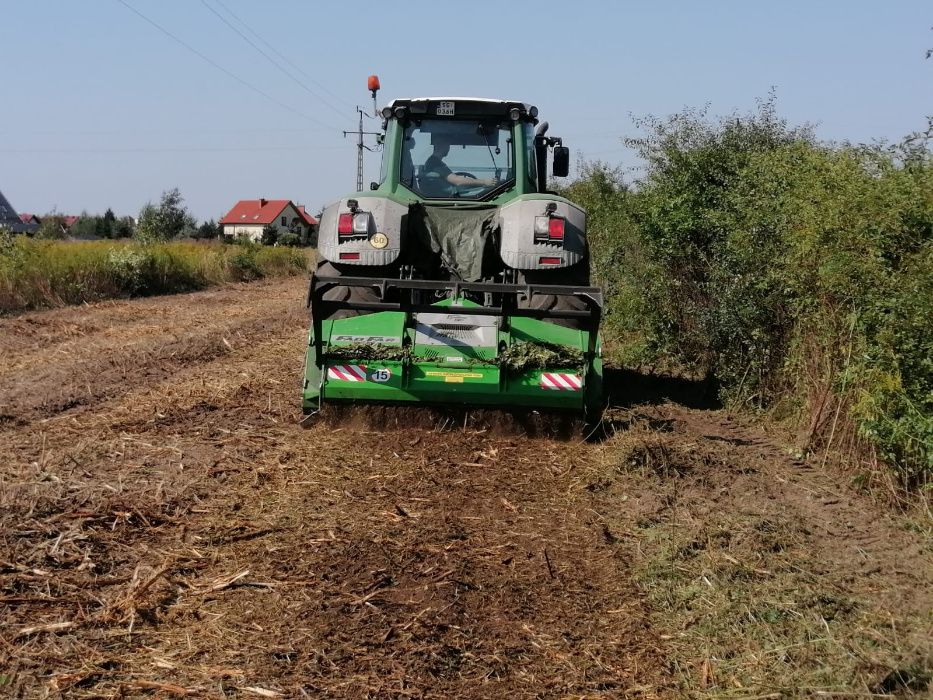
561 161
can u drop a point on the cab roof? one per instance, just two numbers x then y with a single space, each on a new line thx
490 100
462 106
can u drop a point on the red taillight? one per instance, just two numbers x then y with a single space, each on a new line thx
349 256
345 224
550 261
549 229
353 223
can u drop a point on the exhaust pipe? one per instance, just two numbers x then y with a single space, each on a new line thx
541 155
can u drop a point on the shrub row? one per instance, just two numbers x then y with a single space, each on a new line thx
798 274
37 273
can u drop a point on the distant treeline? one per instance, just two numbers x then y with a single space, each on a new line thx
167 220
796 275
86 226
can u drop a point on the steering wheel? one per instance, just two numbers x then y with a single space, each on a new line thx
469 185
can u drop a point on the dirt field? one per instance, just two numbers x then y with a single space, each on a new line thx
167 529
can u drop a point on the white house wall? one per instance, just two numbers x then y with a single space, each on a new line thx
290 213
243 231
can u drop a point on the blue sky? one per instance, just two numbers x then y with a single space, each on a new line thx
103 109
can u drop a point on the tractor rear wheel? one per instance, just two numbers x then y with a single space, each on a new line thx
574 276
353 294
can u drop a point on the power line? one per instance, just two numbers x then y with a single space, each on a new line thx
270 59
171 149
284 58
219 67
193 130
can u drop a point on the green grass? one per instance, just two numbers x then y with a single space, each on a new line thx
37 274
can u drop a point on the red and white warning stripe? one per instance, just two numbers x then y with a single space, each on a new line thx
555 380
347 373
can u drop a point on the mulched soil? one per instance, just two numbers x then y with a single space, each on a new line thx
168 529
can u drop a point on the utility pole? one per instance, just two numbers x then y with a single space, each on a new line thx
373 85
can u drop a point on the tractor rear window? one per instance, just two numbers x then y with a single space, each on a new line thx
457 159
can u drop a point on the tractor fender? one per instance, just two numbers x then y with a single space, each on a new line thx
379 246
518 248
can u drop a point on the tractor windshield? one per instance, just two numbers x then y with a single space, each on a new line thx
468 159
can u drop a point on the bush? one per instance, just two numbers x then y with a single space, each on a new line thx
131 269
796 273
51 228
243 263
289 238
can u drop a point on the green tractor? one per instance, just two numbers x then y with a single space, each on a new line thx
458 279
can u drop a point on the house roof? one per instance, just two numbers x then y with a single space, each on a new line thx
310 220
29 218
8 214
10 219
69 220
255 211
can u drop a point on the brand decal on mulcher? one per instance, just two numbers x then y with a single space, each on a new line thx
384 339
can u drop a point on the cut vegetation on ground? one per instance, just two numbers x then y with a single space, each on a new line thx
167 529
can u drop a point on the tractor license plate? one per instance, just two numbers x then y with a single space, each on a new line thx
445 109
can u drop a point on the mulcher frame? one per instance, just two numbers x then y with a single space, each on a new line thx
463 375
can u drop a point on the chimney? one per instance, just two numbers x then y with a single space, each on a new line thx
262 201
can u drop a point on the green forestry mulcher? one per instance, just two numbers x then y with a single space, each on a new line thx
458 279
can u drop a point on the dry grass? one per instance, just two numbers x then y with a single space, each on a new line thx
37 274
769 577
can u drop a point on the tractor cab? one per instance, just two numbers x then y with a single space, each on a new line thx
464 149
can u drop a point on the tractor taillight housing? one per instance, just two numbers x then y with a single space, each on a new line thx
549 229
353 224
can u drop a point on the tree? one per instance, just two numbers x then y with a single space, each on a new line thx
167 221
105 224
270 234
86 227
124 227
208 229
51 228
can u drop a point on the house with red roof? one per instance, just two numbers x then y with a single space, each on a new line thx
249 217
69 220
